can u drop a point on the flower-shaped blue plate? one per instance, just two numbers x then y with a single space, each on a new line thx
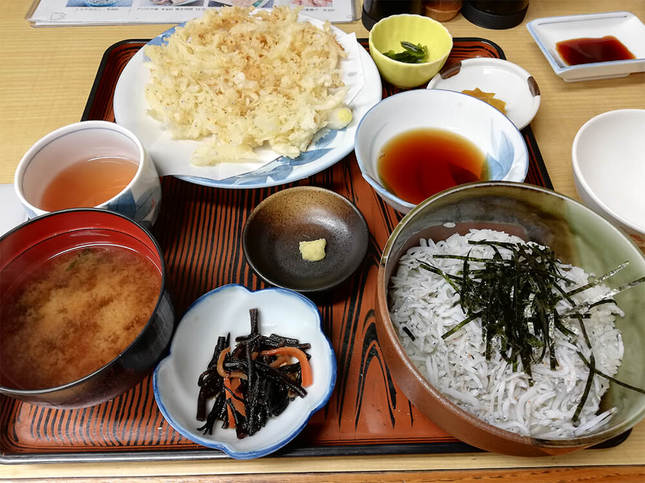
226 310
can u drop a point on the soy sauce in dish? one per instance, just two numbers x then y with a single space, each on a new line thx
421 162
587 50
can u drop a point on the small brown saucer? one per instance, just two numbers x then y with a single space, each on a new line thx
275 228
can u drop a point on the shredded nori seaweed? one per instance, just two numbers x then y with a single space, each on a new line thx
516 298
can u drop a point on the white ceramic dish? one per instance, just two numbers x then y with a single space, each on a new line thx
625 26
12 214
486 127
173 156
608 157
510 83
216 313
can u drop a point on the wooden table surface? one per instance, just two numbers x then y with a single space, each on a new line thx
45 78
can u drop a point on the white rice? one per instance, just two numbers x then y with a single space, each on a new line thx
424 304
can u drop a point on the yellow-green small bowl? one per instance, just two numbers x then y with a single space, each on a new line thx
388 34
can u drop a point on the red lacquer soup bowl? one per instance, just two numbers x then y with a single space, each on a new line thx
84 311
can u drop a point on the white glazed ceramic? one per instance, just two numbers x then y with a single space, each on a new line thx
510 83
625 26
12 213
139 200
172 156
486 127
608 157
216 313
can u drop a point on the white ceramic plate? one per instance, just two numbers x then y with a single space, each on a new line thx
226 310
510 83
625 26
130 111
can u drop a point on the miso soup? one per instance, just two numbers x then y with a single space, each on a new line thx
74 314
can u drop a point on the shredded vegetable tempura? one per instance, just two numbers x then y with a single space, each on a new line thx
239 79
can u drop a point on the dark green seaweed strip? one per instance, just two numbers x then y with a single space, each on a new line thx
460 325
606 376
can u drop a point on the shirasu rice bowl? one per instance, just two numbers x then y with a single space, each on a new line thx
423 307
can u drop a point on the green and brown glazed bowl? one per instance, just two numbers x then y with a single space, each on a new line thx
578 236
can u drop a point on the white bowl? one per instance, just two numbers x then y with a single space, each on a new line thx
226 310
486 127
609 168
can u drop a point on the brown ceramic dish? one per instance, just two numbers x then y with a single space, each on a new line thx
578 236
278 224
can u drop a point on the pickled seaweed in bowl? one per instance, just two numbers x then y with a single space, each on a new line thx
73 313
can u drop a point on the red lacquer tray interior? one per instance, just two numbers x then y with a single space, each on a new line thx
200 232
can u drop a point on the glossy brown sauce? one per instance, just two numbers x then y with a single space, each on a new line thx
588 50
421 162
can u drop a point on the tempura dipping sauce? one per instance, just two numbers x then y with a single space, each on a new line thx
72 314
587 50
421 162
88 182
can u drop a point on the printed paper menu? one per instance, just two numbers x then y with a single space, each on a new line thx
110 12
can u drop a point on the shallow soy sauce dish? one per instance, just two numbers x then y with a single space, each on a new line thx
624 26
226 310
275 228
578 236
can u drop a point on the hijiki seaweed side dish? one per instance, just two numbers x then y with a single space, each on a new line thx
252 382
510 333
